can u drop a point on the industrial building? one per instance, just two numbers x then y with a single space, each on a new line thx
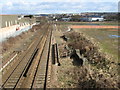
10 20
92 18
11 25
95 18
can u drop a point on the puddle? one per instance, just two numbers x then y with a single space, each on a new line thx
114 36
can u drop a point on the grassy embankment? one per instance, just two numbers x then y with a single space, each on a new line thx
89 75
102 36
89 23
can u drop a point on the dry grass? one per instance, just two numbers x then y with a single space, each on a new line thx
13 43
101 36
10 42
102 74
96 26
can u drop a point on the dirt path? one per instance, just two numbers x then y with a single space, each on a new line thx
94 26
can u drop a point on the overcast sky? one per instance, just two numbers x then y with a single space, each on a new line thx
57 6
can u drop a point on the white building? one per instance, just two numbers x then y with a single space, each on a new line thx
96 18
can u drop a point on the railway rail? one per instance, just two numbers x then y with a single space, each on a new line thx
30 70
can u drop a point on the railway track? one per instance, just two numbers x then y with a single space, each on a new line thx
30 70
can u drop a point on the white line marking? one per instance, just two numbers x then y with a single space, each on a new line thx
8 62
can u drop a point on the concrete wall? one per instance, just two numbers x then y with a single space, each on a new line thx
25 21
0 21
8 20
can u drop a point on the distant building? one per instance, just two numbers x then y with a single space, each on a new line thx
95 18
10 20
37 15
20 17
66 19
108 16
92 18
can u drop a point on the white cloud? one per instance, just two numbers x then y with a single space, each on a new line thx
9 4
0 8
60 0
57 7
107 8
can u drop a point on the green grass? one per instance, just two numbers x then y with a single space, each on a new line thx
89 23
107 44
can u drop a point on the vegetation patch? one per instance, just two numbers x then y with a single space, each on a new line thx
98 72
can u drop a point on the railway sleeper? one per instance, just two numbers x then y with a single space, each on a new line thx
40 82
40 78
14 77
10 84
